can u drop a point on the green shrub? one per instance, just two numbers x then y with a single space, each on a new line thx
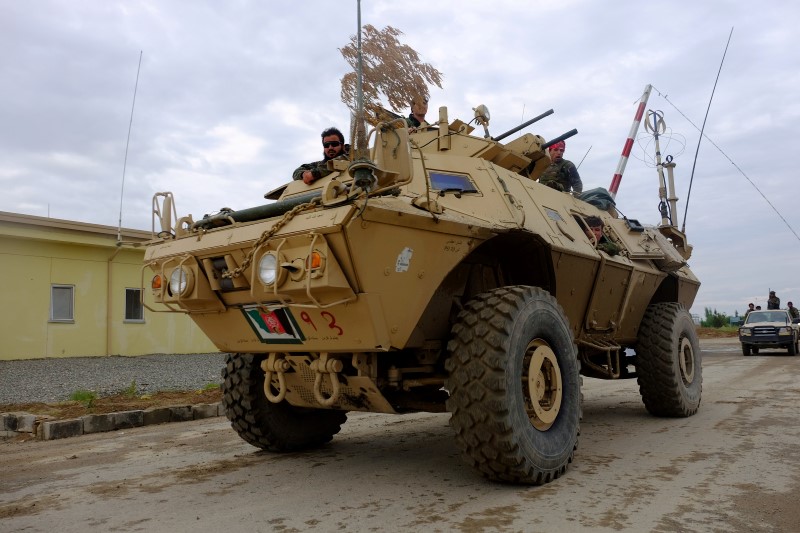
86 397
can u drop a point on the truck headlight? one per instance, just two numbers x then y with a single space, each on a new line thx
180 281
785 331
269 271
745 331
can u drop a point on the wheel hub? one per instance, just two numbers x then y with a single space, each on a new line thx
544 384
686 360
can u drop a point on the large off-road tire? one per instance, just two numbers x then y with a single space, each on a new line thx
792 348
275 427
670 370
745 349
514 383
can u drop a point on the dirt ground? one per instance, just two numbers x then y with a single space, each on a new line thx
731 468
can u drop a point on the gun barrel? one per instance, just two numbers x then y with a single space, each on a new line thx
523 125
560 138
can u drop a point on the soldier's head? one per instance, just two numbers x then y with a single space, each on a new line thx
595 228
790 305
751 305
332 143
772 293
419 106
557 151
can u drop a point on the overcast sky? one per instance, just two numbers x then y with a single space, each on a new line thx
232 97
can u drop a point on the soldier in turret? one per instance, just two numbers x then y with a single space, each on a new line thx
561 174
333 147
419 107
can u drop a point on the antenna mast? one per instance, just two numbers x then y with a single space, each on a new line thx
127 143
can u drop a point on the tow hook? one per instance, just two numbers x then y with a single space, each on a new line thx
330 366
277 365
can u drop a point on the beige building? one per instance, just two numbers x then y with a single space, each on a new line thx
68 290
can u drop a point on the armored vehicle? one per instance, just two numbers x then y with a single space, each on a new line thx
432 272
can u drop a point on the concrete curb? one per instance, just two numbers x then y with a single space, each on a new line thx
40 427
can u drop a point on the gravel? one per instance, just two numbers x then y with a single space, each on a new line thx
54 380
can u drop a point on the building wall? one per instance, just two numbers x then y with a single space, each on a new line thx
36 253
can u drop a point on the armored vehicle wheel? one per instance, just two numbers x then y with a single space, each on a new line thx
277 427
745 349
670 373
514 383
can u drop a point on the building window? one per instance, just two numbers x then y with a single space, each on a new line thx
134 311
62 303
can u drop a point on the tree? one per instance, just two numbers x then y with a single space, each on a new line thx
389 68
714 319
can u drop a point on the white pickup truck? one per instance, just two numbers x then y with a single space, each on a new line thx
769 329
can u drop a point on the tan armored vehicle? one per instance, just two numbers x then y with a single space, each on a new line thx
433 274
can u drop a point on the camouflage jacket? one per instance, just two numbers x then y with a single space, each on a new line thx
794 312
319 169
774 303
562 176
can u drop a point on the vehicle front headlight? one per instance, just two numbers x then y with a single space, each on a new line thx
180 281
785 331
269 270
745 331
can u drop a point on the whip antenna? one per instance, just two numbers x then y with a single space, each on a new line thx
703 127
127 143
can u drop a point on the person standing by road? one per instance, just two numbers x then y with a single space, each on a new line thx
333 147
562 174
773 302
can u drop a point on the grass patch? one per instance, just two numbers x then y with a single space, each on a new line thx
85 397
131 390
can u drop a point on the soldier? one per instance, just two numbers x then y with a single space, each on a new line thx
750 309
773 302
793 311
419 106
595 233
561 174
333 147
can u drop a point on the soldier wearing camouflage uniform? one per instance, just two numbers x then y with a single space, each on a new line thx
333 147
773 302
561 174
793 311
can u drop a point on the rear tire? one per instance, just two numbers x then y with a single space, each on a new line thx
670 371
514 383
277 427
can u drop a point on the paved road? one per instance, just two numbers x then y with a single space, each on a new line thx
733 467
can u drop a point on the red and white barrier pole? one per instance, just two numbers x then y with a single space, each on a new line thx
626 150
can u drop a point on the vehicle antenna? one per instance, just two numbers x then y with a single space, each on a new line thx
127 143
694 164
584 157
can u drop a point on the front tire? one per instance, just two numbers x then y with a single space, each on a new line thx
514 383
277 427
670 371
745 349
792 348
